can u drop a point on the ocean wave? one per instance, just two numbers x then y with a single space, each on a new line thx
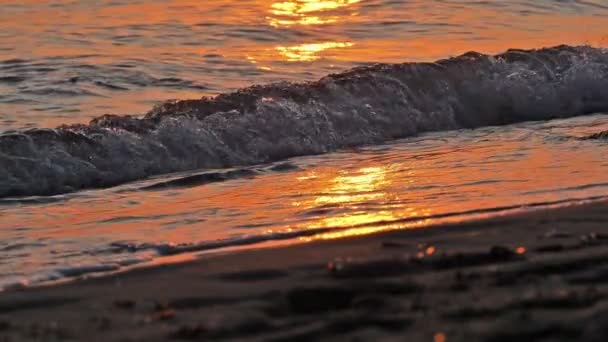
262 124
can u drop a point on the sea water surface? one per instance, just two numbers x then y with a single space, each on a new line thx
66 61
285 163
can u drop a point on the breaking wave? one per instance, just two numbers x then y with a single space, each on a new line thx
262 124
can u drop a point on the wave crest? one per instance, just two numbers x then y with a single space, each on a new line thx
266 123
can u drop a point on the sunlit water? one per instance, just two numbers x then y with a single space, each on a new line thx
69 61
412 183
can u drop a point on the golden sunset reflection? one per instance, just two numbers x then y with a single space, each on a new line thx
305 12
358 187
309 52
350 192
360 231
348 187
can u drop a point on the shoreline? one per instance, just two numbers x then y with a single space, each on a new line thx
534 275
188 253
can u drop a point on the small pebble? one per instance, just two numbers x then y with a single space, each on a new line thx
189 332
124 304
5 325
163 315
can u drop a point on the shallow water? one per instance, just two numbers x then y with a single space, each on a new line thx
438 177
67 62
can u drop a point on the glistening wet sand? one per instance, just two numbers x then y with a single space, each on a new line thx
536 276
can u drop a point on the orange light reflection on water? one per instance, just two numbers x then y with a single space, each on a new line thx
309 52
347 194
357 195
130 31
306 12
135 29
361 231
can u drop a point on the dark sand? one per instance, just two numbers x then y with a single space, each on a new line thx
476 285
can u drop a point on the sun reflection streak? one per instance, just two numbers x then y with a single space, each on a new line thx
354 198
350 188
359 231
308 12
305 12
297 7
309 52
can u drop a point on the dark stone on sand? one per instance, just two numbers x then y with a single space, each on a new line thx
541 269
550 248
25 303
598 275
163 315
393 287
497 254
190 303
189 332
48 331
256 275
319 299
364 268
11 79
562 300
595 326
244 326
346 268
469 313
392 244
102 323
124 304
501 252
594 239
229 325
350 324
466 277
535 331
369 303
460 286
555 234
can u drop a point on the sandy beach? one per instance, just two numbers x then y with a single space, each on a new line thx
538 276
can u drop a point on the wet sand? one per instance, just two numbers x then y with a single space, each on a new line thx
539 276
